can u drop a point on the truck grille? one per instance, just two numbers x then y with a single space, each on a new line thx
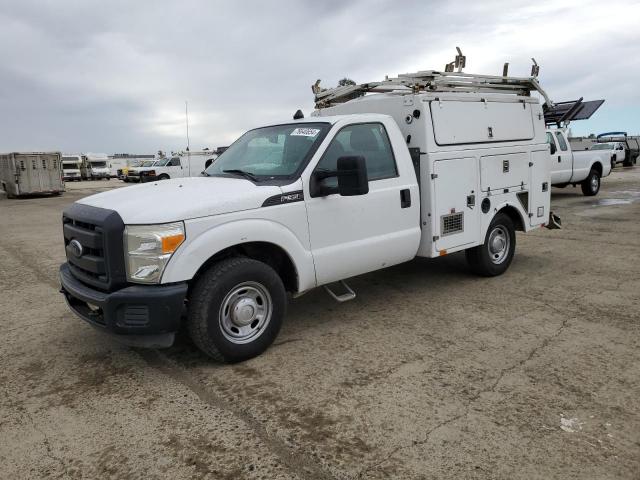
93 245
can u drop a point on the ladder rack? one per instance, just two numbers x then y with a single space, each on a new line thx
431 81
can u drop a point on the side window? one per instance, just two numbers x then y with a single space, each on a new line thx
175 162
369 140
561 142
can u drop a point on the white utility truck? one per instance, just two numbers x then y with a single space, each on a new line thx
585 168
71 165
440 162
29 173
177 166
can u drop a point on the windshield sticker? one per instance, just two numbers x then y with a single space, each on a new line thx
305 132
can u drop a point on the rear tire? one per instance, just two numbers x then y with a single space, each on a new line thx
591 185
236 309
494 256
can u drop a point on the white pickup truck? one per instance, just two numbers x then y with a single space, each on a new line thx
616 150
424 171
585 168
177 166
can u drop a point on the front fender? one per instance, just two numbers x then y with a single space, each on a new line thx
204 241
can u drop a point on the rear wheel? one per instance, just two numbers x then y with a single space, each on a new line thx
591 185
236 309
494 256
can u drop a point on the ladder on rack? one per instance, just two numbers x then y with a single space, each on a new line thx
435 81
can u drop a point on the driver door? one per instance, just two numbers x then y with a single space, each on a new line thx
351 235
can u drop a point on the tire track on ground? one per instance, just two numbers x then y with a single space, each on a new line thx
297 462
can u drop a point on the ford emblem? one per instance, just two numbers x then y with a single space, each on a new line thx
76 248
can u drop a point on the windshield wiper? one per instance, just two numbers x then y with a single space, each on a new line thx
248 175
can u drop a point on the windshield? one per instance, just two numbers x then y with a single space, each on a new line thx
278 151
602 146
69 166
162 163
98 164
148 163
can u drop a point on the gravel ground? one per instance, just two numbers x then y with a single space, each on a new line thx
429 373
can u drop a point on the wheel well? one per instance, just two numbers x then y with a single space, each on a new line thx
597 167
514 215
265 252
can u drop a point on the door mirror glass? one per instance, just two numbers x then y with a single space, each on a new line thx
552 148
352 176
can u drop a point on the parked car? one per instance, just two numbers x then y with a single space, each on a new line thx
585 168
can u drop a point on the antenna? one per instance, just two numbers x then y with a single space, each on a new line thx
186 115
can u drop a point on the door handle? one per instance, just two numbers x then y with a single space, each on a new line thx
559 158
405 198
471 200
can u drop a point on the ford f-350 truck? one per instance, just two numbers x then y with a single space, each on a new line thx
568 167
435 164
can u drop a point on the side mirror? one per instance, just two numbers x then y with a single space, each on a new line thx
552 148
352 176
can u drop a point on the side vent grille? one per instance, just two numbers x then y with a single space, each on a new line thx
452 223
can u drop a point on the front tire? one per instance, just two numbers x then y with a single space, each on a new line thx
164 176
494 256
236 309
591 185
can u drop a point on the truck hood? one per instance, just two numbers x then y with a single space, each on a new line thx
182 199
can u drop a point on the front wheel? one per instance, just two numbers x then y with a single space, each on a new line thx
494 256
591 185
164 176
236 309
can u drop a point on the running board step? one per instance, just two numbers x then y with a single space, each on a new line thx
344 297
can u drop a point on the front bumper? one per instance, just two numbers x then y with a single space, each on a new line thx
140 315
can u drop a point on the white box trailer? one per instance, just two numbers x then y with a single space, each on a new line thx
27 173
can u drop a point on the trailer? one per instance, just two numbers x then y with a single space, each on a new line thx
29 173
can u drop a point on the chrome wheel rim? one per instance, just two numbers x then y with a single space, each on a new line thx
245 312
499 243
594 182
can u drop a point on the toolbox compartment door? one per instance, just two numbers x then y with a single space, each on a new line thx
498 172
463 122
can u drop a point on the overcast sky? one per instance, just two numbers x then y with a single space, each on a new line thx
113 76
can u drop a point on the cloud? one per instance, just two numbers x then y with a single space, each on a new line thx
113 76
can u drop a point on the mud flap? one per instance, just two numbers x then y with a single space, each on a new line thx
554 222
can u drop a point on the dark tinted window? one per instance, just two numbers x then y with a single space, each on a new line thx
369 140
561 142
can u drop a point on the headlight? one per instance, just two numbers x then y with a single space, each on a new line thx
149 248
